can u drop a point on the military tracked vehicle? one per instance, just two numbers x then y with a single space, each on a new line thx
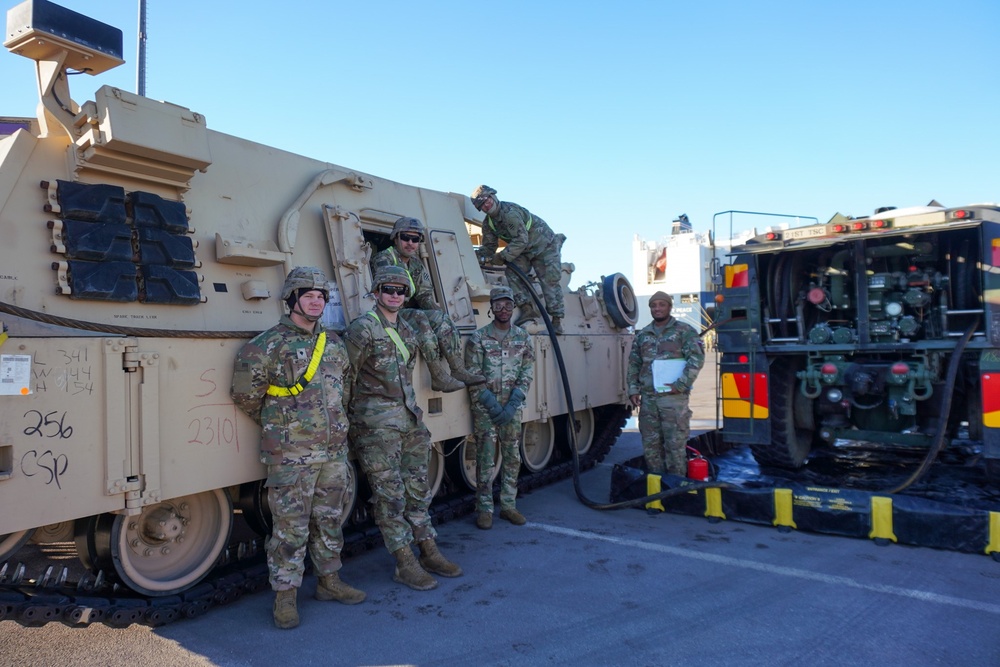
883 329
141 249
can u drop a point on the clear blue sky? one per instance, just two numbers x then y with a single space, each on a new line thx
607 119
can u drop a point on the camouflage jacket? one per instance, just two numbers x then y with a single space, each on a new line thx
675 340
421 289
296 430
510 223
506 363
382 382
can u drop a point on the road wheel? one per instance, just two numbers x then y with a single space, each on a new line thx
584 423
791 421
11 542
537 443
435 470
170 546
461 462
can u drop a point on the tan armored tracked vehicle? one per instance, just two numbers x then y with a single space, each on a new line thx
141 249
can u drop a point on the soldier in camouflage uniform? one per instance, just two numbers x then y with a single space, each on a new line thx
303 416
531 244
431 323
505 355
388 433
664 416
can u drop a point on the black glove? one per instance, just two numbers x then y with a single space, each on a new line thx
488 400
498 259
514 403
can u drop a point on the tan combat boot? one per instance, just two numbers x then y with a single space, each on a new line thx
286 615
485 520
461 373
441 379
330 587
409 572
513 516
432 560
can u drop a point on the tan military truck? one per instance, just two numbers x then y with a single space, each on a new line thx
140 250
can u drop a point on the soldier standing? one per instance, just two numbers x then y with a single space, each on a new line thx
291 380
665 360
388 433
436 334
531 245
505 355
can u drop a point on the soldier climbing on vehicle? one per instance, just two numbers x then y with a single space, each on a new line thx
531 245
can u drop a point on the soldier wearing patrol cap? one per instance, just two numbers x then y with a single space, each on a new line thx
531 245
666 358
437 336
504 353
292 381
388 433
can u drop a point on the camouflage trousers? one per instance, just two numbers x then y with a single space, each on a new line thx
435 331
307 508
665 425
487 436
395 463
547 266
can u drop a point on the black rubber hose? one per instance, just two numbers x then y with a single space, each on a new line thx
635 502
949 387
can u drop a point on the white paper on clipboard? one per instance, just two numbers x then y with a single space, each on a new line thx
666 372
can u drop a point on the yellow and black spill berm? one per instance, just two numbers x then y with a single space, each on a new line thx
884 518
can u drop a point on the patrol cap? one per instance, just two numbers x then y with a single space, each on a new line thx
498 293
302 279
662 296
480 194
395 275
407 225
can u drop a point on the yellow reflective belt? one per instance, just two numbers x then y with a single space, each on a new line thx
400 345
395 260
297 388
527 227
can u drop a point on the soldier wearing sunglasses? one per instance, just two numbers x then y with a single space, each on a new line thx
531 246
388 433
437 337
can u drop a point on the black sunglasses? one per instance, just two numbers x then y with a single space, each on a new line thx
412 238
393 289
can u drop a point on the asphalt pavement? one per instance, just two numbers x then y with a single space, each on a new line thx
577 586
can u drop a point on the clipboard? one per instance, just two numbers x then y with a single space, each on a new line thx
666 372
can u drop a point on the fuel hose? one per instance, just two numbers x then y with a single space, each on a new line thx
949 388
567 391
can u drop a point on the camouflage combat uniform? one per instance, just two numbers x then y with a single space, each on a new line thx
387 429
431 324
304 444
664 417
508 362
537 248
